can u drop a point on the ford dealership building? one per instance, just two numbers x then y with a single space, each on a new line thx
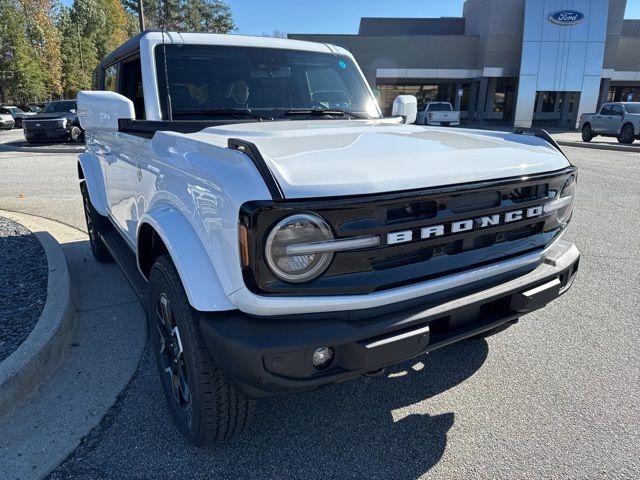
515 61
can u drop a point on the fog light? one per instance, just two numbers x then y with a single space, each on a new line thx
322 357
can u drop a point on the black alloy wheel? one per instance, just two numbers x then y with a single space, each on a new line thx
626 134
172 354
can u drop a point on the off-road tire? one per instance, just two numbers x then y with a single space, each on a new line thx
95 223
587 133
76 135
217 410
626 134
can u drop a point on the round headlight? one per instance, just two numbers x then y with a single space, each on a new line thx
298 229
567 197
563 203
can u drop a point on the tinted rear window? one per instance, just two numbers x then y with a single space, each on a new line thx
439 107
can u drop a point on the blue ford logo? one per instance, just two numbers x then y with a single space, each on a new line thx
566 17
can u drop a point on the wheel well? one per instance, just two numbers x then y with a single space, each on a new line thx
586 123
631 124
80 172
150 247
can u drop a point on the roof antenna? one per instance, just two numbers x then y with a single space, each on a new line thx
164 58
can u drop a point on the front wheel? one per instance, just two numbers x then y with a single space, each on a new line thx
76 134
626 134
587 133
205 406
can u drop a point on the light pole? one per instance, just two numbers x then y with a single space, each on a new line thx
141 15
80 51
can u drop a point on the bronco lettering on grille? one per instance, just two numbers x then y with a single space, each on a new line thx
464 225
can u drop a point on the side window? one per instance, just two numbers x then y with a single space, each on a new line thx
111 77
131 85
606 110
616 110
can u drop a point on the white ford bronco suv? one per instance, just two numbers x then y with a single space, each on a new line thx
283 235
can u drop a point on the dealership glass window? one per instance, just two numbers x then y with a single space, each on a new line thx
623 94
424 93
503 97
548 101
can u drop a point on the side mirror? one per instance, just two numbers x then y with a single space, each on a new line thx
99 110
405 106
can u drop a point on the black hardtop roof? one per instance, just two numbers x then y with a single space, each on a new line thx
127 48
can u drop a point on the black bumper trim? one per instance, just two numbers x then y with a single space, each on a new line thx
269 356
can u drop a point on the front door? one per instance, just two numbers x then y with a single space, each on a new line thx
123 172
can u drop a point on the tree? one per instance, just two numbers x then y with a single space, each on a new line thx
90 29
212 16
30 62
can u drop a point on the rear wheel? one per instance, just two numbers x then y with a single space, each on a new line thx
587 133
205 406
95 222
626 134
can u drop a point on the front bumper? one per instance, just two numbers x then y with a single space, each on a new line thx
7 124
47 135
269 356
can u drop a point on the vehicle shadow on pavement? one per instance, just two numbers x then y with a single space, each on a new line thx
367 428
364 428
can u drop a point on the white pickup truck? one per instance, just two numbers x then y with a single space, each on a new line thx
284 236
618 119
438 113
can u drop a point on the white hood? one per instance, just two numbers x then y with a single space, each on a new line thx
351 157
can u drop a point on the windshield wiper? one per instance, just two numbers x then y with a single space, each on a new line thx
323 111
222 111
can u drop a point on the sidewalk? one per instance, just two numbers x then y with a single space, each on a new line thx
104 354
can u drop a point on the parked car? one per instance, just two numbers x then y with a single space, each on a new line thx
438 113
30 108
18 114
617 119
287 243
6 119
58 121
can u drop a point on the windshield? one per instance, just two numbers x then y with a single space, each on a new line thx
439 107
15 110
632 107
59 107
268 82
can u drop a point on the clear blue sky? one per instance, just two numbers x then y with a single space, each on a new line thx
254 17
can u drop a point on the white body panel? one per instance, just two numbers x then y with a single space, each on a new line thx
351 157
190 187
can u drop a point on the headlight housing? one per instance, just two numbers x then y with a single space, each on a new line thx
296 229
563 204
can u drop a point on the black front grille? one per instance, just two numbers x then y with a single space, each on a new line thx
391 265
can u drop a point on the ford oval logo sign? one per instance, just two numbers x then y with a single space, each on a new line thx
566 17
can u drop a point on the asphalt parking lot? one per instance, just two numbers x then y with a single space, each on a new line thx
556 396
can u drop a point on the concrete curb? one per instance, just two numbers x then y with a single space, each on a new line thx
13 148
40 354
599 146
